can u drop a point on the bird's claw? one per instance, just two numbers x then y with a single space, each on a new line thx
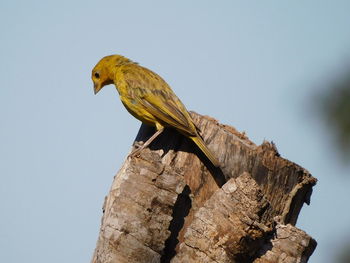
138 145
136 152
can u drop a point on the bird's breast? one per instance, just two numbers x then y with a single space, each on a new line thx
138 111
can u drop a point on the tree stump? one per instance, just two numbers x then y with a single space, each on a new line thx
170 204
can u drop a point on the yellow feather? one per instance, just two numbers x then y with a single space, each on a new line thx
199 142
147 97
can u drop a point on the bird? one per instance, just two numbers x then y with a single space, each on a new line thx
148 98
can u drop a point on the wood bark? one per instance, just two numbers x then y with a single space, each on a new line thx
170 204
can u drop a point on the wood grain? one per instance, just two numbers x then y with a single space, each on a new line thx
171 205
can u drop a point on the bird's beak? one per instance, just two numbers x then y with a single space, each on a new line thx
97 88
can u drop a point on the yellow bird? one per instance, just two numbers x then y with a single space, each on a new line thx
148 98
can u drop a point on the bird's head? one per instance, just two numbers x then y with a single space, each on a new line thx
103 72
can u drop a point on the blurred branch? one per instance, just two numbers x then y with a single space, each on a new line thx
334 106
344 253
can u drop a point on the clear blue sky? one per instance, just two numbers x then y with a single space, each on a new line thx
255 65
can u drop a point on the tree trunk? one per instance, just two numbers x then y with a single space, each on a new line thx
170 204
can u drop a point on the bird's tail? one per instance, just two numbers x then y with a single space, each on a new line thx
199 142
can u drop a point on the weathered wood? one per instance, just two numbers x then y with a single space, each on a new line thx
170 203
289 245
229 227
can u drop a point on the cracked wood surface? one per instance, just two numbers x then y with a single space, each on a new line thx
171 205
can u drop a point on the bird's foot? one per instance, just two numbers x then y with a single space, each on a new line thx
138 148
138 145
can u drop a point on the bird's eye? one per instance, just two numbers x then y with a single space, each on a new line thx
97 75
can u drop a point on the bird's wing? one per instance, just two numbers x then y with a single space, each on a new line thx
157 98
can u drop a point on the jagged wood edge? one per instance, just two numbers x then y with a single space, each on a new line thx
233 149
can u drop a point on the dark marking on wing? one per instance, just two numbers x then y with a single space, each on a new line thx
157 98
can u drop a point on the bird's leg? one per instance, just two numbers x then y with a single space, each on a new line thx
143 146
